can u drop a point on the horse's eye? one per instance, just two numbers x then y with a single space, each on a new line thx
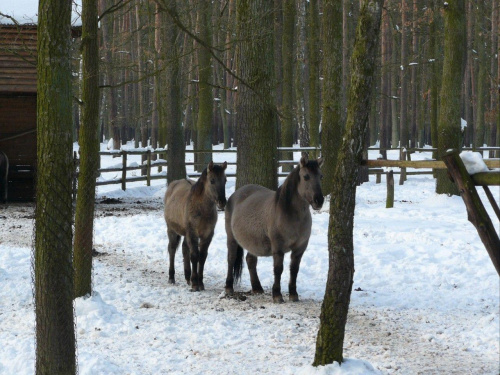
212 181
306 177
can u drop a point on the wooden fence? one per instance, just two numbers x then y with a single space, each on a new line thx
374 166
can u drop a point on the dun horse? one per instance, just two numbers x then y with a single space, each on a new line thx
190 211
4 170
267 222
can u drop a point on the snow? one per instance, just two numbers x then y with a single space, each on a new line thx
473 162
425 296
26 12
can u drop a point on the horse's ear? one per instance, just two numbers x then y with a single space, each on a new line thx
320 161
303 159
210 165
224 165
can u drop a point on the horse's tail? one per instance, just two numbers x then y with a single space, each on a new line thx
238 264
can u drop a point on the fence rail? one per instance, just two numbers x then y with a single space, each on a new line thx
374 166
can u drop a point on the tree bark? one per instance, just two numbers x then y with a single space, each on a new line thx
53 279
176 156
312 46
403 132
89 152
330 339
287 127
205 93
257 131
450 109
332 126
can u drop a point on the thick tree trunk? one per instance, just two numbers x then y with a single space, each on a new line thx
332 126
53 279
330 339
257 131
89 152
449 113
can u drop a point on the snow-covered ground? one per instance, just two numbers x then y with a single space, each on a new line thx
425 298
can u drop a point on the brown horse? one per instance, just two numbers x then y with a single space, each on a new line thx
4 170
267 222
190 211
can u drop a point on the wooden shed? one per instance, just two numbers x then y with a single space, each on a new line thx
18 107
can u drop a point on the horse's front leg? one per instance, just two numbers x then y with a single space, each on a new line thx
204 244
296 257
194 254
278 270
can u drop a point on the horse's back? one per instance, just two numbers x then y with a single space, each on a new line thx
175 200
249 218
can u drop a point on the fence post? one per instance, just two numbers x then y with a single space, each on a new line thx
390 190
402 176
148 170
124 170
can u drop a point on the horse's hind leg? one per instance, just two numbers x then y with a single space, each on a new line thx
295 257
187 262
173 242
254 278
204 244
232 248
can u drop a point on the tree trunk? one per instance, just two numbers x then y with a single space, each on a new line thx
449 113
53 279
312 45
176 156
403 132
257 131
332 126
479 125
89 152
330 339
205 94
287 127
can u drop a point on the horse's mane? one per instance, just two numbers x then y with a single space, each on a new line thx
285 192
198 186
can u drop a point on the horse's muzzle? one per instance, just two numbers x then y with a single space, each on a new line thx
221 204
318 202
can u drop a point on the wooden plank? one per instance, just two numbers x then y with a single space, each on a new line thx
433 164
476 213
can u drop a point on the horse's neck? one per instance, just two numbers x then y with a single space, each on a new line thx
290 200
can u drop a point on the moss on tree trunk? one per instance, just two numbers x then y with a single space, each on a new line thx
330 339
55 336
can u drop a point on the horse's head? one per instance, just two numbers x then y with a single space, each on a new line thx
309 186
216 183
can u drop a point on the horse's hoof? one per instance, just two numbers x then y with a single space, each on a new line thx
278 299
195 288
258 291
294 298
171 281
188 281
202 287
229 291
